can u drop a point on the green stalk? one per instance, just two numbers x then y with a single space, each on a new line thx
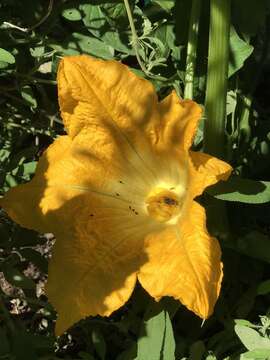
192 48
244 126
217 74
135 40
215 104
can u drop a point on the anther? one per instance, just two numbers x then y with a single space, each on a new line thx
170 201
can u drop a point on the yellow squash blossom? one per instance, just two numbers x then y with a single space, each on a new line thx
118 193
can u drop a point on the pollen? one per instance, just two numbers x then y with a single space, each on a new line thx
163 205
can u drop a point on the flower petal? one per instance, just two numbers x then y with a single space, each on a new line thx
96 213
115 109
109 91
88 277
206 170
184 262
23 202
180 121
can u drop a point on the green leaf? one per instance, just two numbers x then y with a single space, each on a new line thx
27 345
29 168
231 102
129 354
85 356
17 278
263 288
37 51
197 350
156 339
211 357
239 52
99 343
165 4
243 322
3 64
28 95
168 350
241 190
11 181
78 43
251 338
97 24
72 14
165 33
255 244
259 354
6 56
23 347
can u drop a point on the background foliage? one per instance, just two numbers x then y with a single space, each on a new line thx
34 35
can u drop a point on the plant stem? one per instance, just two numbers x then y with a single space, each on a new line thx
215 103
192 48
217 74
135 40
41 21
244 127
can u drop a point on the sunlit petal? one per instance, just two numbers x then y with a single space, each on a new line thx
184 262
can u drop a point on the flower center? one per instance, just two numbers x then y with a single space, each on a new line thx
163 205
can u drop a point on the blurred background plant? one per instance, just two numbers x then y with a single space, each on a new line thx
34 35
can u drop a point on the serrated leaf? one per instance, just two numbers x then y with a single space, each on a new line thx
37 51
251 338
242 190
6 56
239 52
156 339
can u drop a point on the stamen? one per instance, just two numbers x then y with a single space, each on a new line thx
163 205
